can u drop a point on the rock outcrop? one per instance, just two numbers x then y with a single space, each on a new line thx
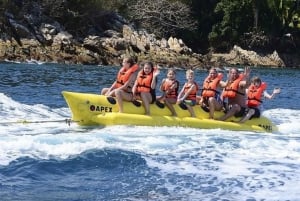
37 37
239 56
50 42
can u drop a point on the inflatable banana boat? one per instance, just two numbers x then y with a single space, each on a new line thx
93 109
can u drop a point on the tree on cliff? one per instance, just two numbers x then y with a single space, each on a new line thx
163 17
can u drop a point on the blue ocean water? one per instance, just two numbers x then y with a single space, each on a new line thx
43 158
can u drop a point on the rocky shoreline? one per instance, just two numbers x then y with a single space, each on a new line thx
50 42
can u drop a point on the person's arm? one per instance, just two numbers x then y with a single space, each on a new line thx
246 80
173 86
180 94
134 89
201 101
270 96
247 72
188 92
161 85
223 84
130 80
112 87
154 80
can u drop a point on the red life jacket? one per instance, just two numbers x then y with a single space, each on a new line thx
124 74
193 94
167 85
255 94
231 90
144 81
210 86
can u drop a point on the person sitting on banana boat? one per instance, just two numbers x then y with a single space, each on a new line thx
234 92
125 79
188 93
169 86
144 86
255 93
210 100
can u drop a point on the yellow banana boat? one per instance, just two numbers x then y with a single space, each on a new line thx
93 109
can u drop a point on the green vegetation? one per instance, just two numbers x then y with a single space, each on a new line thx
203 24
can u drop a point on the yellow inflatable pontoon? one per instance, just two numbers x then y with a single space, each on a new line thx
93 109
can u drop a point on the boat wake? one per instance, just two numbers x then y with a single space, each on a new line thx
177 163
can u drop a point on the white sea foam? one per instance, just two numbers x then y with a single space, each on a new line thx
262 164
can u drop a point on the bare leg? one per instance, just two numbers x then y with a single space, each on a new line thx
235 108
146 99
120 96
111 93
248 116
104 91
169 103
213 105
191 110
160 98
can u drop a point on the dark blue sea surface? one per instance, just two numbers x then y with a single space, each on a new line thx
44 158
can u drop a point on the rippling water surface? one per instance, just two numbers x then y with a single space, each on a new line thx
46 159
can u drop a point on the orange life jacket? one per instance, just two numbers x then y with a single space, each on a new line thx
167 85
193 94
255 94
210 86
124 74
231 90
144 81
